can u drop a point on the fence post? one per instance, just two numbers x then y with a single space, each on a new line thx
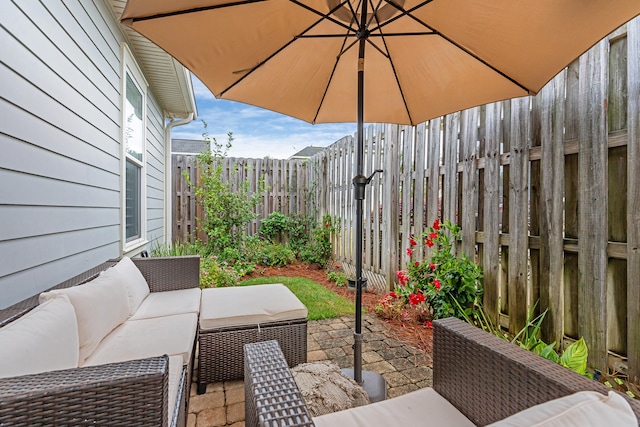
519 213
390 202
592 204
633 202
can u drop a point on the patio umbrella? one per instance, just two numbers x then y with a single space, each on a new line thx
389 61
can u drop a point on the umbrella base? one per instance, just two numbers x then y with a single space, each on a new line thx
373 383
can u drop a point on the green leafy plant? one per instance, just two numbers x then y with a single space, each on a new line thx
274 255
574 357
274 227
338 277
318 249
176 249
215 274
227 210
450 284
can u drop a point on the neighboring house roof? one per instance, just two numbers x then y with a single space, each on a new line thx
169 80
307 152
188 146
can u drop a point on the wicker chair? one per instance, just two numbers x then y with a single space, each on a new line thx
132 393
484 377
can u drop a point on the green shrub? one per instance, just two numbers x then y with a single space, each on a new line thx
214 274
338 277
451 285
275 255
227 209
318 249
275 226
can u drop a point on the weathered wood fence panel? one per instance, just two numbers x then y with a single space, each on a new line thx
546 190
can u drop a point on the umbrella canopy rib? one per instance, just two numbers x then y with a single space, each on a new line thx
261 63
457 45
335 65
395 74
195 10
327 15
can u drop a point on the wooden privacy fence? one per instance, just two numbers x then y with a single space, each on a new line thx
284 179
545 188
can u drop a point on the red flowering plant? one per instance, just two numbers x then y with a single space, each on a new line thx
446 285
454 287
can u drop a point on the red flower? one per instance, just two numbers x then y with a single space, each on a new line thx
433 235
429 242
415 299
416 263
412 241
436 284
409 251
436 224
326 224
393 294
432 267
428 324
402 277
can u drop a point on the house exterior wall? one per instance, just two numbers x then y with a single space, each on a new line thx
61 67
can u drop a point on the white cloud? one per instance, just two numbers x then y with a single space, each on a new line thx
257 132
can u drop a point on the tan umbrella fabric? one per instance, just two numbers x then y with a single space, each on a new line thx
423 58
412 60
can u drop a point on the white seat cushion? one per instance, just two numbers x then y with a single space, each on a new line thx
159 304
582 409
249 305
175 374
101 305
424 407
45 339
137 286
139 339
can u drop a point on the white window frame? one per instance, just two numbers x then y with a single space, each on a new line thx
130 68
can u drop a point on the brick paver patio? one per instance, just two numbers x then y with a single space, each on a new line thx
404 367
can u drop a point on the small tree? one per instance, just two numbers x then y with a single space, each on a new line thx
227 210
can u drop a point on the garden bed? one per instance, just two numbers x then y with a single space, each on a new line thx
410 331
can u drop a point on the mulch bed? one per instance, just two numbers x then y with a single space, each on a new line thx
409 331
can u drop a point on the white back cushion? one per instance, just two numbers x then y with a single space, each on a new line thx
45 339
100 305
582 409
137 286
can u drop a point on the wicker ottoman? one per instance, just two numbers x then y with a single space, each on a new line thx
235 316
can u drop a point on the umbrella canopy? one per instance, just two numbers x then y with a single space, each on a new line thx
393 61
424 58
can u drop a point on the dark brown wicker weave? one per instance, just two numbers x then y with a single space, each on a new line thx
119 394
486 378
132 393
221 350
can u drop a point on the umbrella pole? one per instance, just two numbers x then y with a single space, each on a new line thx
373 383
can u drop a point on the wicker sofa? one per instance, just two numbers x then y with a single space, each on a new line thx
476 374
137 375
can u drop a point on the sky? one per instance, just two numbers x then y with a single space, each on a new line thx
257 132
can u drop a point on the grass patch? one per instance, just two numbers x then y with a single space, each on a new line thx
320 301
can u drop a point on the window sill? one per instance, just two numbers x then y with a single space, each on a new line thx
134 247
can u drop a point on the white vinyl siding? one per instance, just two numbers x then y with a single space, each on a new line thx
60 144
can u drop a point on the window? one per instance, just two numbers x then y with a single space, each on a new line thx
133 130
